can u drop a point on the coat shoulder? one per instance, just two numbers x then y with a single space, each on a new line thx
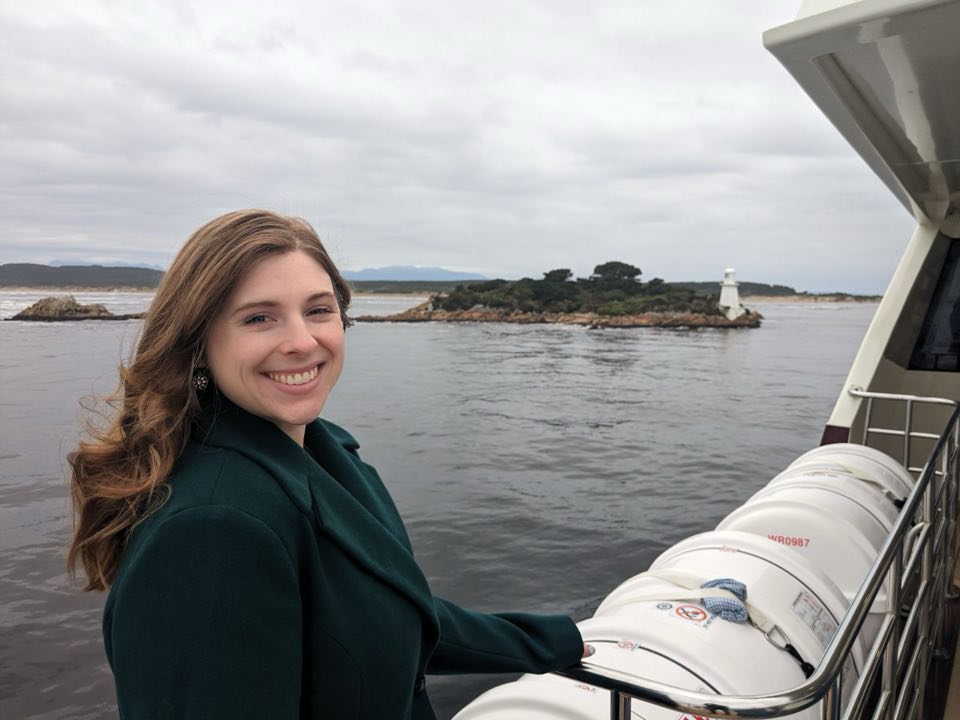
221 476
210 479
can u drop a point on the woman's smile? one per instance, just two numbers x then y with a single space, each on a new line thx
295 377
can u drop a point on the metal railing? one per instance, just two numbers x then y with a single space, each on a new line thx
915 565
908 433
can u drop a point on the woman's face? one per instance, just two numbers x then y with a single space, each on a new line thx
276 347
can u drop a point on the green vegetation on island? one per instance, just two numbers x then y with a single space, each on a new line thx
613 289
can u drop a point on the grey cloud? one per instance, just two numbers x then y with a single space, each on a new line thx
503 138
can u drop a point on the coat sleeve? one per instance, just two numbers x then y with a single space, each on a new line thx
474 642
207 621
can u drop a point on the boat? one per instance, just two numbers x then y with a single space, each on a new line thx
868 628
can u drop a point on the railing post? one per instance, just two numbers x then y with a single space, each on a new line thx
907 429
952 476
830 705
619 705
924 626
890 664
948 519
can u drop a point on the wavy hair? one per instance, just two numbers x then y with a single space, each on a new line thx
119 472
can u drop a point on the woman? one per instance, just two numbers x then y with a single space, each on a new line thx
257 567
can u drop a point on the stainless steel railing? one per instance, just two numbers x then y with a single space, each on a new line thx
908 433
915 565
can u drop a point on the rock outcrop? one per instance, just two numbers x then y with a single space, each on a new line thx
66 307
426 313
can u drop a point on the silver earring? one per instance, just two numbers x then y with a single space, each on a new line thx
200 379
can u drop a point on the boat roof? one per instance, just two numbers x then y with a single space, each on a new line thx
887 75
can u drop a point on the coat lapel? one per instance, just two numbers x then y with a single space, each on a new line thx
344 496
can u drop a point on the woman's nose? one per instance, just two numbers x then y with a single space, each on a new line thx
299 339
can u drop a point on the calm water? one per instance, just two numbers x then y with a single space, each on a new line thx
536 466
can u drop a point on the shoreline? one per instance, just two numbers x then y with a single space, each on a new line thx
678 320
747 299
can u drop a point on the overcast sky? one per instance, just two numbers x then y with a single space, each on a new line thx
506 138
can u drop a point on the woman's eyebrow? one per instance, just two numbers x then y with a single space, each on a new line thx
323 295
255 304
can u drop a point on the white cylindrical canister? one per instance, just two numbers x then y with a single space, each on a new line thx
827 525
862 461
647 645
655 626
870 498
781 584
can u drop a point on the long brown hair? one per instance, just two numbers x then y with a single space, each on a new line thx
119 473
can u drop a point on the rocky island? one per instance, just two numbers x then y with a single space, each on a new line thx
613 296
66 307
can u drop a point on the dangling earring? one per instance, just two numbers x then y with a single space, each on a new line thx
200 379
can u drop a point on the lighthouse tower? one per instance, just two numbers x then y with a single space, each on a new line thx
729 297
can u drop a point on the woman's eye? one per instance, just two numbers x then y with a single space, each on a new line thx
253 319
321 310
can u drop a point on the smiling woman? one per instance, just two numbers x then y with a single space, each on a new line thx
276 347
257 567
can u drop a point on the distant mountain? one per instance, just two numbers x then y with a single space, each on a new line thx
86 276
113 263
99 276
409 272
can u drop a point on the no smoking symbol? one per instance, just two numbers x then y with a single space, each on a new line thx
692 612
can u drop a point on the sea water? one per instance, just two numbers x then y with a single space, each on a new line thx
536 467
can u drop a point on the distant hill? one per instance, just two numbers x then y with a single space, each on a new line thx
97 276
409 272
408 287
745 288
393 279
86 276
113 263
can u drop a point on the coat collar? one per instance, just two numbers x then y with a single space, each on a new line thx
344 496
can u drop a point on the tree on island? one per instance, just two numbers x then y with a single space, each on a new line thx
558 276
615 272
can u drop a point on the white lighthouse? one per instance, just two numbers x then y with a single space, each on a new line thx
729 296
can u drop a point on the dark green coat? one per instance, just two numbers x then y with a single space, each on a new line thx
271 585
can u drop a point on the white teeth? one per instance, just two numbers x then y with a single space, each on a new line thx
295 379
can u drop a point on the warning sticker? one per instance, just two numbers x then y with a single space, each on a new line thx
691 612
815 616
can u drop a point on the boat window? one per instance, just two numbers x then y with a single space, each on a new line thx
938 347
